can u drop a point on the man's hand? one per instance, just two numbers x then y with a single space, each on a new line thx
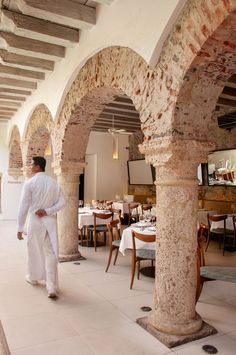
41 213
19 235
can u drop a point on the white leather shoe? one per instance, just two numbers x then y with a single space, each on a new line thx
32 282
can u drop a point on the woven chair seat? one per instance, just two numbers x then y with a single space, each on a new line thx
99 228
222 273
146 254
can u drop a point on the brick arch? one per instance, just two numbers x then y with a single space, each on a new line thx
182 51
204 82
37 133
15 155
111 72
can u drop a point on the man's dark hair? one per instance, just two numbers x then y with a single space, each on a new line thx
41 161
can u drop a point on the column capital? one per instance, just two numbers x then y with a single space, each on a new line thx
165 150
68 167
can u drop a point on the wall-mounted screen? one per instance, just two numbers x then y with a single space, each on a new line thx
140 173
222 167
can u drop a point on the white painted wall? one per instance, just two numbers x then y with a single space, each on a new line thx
112 176
136 24
10 187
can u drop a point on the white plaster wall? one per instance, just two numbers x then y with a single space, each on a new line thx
112 176
136 24
10 187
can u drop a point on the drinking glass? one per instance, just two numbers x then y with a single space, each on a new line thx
81 202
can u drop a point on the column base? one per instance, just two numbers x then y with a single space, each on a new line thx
71 257
171 340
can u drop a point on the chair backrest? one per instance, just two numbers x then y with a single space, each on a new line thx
216 218
147 238
109 204
98 215
132 206
146 207
201 240
114 230
116 210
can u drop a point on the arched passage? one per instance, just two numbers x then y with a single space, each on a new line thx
37 134
173 149
110 73
15 155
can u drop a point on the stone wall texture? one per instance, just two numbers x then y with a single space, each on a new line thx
15 154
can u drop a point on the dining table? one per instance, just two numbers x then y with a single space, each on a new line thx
86 218
127 243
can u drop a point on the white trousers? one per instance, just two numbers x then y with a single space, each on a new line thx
42 262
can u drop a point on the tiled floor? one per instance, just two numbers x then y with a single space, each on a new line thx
96 311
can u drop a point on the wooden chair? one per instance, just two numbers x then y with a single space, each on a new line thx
146 207
210 273
99 228
109 204
139 255
114 240
116 210
221 233
133 212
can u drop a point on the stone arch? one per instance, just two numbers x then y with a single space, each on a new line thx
202 25
15 155
109 73
37 133
203 83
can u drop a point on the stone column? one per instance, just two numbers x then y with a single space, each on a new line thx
68 178
176 245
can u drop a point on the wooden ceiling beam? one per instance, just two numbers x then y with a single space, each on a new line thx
27 46
121 105
9 103
226 102
121 113
26 61
15 91
10 97
60 11
123 99
229 91
40 29
16 72
18 83
10 109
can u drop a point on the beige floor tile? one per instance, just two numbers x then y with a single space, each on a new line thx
33 330
120 289
131 306
96 311
224 344
69 346
93 318
129 339
223 318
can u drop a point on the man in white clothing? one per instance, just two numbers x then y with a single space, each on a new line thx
42 199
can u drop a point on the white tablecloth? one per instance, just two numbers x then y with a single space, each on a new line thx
85 217
202 216
126 239
120 205
229 223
